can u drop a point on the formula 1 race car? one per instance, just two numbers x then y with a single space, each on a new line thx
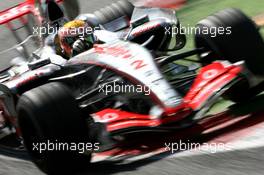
120 87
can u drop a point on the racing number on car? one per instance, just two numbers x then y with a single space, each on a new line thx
121 52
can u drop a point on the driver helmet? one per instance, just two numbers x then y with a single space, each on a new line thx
71 32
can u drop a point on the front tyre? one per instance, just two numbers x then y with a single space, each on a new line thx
241 39
49 114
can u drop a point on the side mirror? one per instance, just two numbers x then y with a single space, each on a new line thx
139 21
39 63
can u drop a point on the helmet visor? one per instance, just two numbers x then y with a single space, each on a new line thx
90 38
69 40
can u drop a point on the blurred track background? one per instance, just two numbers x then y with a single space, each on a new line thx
246 138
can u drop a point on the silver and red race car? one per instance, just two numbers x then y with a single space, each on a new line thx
127 84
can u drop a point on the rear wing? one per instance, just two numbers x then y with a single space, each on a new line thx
22 13
16 12
22 9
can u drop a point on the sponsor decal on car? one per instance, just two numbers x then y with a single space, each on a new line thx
120 52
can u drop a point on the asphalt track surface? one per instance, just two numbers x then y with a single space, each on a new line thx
247 142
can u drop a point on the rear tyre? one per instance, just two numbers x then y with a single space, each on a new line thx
114 11
49 114
72 8
240 41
